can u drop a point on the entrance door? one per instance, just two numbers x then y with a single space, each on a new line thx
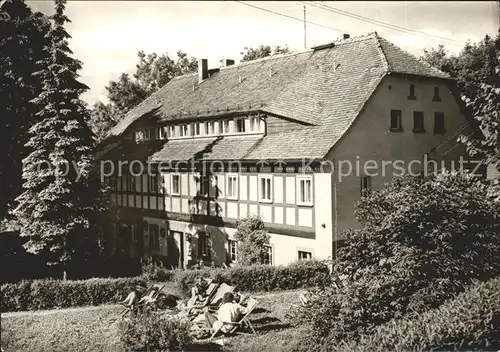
177 252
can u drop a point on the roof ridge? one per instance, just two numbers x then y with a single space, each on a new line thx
385 62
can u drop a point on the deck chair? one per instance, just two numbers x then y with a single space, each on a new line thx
152 300
211 291
243 322
215 302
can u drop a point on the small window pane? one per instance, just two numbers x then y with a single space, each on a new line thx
396 119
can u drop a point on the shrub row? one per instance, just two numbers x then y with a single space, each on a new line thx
261 277
471 320
47 294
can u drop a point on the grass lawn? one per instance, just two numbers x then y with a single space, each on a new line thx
88 328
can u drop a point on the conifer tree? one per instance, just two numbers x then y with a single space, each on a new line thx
61 195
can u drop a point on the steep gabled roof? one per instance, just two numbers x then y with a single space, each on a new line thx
324 89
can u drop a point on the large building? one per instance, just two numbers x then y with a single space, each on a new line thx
275 137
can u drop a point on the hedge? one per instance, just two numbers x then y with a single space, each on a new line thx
301 274
471 320
48 294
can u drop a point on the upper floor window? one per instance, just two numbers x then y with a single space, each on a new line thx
265 188
203 245
304 190
232 186
163 132
195 129
131 183
204 185
418 121
171 132
233 250
240 125
153 184
154 134
436 96
303 255
210 127
154 236
396 123
439 122
412 96
254 125
176 184
224 126
184 130
366 185
142 135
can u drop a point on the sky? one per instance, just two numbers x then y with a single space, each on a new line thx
106 35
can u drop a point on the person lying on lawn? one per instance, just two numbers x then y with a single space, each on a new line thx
133 297
228 312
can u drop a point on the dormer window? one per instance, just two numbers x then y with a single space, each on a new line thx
255 124
436 96
184 130
210 127
412 96
171 131
240 125
195 129
224 126
163 132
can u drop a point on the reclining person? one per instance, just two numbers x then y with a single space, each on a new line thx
132 300
228 312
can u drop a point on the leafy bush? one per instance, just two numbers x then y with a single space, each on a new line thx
471 320
261 277
153 271
253 241
47 294
154 332
420 245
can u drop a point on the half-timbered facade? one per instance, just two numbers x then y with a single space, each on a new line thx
266 137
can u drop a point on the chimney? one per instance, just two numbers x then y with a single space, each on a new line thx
346 36
202 70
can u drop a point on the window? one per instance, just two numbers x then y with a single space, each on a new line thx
143 135
154 236
232 186
396 120
210 127
412 92
153 184
268 257
131 183
171 132
184 130
134 234
154 133
240 125
304 190
233 250
195 129
163 132
265 189
204 185
203 245
439 122
304 255
254 124
418 121
436 96
176 184
366 185
224 126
